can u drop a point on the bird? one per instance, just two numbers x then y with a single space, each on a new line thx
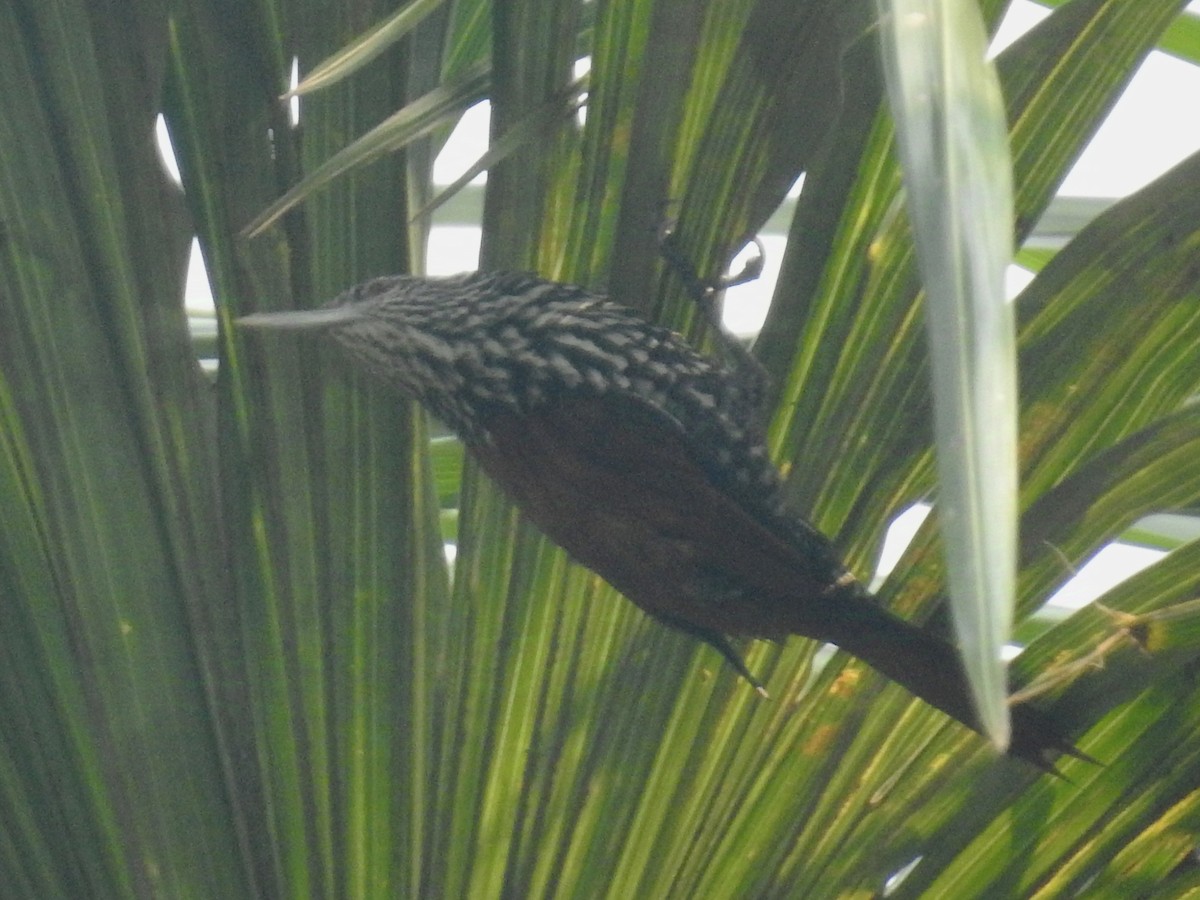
642 457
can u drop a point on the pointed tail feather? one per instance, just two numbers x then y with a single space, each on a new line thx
930 667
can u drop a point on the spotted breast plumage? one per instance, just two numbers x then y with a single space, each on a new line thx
642 457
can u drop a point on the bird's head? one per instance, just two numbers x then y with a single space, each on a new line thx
467 345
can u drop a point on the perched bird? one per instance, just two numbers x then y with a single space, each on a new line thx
643 458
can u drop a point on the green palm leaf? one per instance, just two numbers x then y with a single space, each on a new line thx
232 660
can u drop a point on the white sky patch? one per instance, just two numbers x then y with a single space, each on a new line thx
1104 571
166 152
465 145
453 249
899 535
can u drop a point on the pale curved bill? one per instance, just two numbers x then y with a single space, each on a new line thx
300 320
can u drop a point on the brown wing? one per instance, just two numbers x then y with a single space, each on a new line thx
615 486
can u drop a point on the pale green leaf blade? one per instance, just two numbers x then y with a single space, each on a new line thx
953 141
540 123
362 50
418 118
1182 38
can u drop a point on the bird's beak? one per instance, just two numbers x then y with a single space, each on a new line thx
301 320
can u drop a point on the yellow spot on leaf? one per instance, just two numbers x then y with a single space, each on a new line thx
819 741
846 683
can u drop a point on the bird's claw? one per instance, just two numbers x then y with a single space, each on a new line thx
703 291
751 271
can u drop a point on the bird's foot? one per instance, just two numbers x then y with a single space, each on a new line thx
704 291
706 295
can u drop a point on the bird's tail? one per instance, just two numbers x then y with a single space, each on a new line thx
929 667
